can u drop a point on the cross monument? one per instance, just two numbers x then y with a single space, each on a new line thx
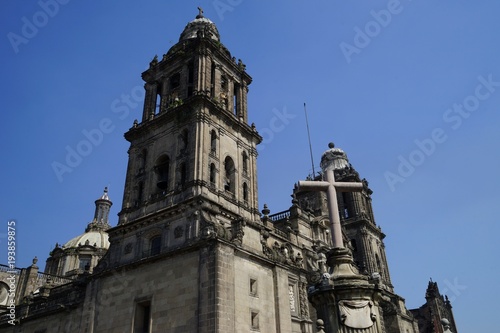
332 158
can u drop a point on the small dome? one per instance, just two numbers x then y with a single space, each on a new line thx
200 23
334 158
98 237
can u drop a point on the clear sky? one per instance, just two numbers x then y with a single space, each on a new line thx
409 89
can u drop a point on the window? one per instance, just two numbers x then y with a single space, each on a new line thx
142 317
183 140
162 170
253 287
244 158
142 160
236 101
155 245
190 78
212 173
223 83
254 320
85 263
354 245
175 81
229 174
140 193
346 204
245 192
212 80
213 141
182 174
158 100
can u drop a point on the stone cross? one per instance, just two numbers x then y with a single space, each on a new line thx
328 162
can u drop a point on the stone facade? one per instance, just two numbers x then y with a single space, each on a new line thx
191 252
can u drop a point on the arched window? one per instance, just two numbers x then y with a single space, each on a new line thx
212 173
236 101
162 168
224 91
245 192
229 174
354 245
175 81
155 245
190 78
212 80
245 162
182 174
213 141
142 161
183 140
377 259
140 193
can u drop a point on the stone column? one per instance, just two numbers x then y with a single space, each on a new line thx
149 101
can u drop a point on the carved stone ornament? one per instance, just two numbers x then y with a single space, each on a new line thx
178 231
128 248
356 314
283 253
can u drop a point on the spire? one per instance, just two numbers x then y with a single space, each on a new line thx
101 215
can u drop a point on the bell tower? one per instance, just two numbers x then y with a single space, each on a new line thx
194 140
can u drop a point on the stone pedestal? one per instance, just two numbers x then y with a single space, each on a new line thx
346 302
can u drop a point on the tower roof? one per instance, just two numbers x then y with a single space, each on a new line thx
100 221
200 24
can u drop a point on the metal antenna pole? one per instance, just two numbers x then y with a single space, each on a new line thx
310 146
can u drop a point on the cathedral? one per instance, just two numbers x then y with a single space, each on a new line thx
192 252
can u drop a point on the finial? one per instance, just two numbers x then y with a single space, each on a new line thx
35 260
331 145
266 210
200 14
105 189
320 325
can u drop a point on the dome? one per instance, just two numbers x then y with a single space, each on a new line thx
200 23
334 158
97 238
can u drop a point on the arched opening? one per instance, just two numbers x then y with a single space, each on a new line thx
245 192
140 193
354 245
183 140
142 161
155 245
212 80
182 174
162 168
377 262
236 100
190 78
213 142
229 175
244 158
212 174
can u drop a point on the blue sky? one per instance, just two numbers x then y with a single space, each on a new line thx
409 89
